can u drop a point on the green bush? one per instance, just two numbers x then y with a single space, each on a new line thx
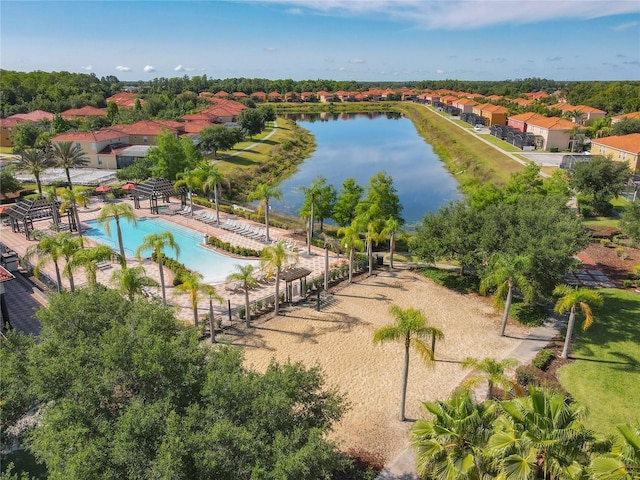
527 375
452 279
543 359
226 246
176 267
529 315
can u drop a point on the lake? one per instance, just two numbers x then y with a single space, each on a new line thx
359 146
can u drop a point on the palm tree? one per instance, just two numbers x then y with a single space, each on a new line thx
244 275
51 194
569 299
212 178
410 327
46 250
131 281
391 229
190 179
622 462
372 235
158 242
275 258
330 243
69 246
451 444
492 371
71 199
88 258
35 161
264 193
68 155
116 211
350 241
212 294
191 283
540 435
504 274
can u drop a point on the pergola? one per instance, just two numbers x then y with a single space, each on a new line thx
154 189
24 213
291 292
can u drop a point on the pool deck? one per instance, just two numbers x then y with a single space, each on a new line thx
18 243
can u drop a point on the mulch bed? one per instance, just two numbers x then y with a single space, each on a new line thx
616 266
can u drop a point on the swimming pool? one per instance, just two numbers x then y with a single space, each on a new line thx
213 266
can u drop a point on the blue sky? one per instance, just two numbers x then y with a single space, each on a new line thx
372 40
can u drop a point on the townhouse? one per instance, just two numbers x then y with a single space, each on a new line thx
621 148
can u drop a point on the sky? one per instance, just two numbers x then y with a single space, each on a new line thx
361 40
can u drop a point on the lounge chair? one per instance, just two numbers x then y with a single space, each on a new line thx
104 265
186 211
229 224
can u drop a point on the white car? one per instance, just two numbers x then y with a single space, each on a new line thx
478 128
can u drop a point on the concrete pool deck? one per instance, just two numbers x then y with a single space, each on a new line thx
18 243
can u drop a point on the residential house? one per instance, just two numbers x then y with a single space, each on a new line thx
586 113
274 97
291 97
6 129
97 146
221 94
519 122
239 95
37 116
495 114
125 100
325 97
223 111
624 116
551 132
145 132
259 97
308 97
84 112
620 148
465 105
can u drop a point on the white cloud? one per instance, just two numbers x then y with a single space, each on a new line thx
270 49
439 71
179 68
625 26
470 14
357 60
120 68
294 11
88 68
149 68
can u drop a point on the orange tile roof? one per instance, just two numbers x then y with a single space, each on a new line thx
125 99
221 94
11 122
239 95
97 136
551 123
523 117
196 126
35 116
587 109
626 143
632 115
86 111
150 127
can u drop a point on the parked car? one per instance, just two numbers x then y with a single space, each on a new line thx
478 127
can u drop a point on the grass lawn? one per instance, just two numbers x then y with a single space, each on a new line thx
605 375
507 147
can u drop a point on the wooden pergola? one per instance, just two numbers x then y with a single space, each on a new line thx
23 214
291 293
156 189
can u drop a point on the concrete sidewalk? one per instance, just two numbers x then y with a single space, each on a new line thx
404 466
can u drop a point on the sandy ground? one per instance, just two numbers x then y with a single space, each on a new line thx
339 340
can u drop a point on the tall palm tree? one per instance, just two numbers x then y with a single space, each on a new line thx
410 327
35 161
492 371
333 244
158 242
69 246
622 462
191 284
190 179
569 299
68 155
274 259
450 445
212 294
130 281
540 435
391 229
88 258
372 235
117 211
244 275
211 180
264 193
504 274
351 241
46 250
71 199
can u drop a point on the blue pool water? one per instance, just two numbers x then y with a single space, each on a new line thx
213 266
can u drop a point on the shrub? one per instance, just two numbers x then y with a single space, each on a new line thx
527 375
543 359
626 283
620 253
529 315
604 242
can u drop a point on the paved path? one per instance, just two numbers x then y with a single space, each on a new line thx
404 466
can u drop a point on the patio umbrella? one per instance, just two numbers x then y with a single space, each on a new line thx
128 186
102 189
4 208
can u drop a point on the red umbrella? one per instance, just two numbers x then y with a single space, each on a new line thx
4 208
128 186
102 188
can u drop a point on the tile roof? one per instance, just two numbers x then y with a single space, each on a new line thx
11 122
551 123
35 116
523 117
627 143
125 99
196 126
632 115
97 136
150 127
86 111
5 274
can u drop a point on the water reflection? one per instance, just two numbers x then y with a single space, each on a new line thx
359 145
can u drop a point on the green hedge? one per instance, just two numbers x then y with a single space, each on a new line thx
176 267
226 246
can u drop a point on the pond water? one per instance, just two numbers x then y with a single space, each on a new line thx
359 146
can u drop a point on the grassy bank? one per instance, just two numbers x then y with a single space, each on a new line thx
605 375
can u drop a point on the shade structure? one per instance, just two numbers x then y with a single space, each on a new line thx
102 188
128 186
